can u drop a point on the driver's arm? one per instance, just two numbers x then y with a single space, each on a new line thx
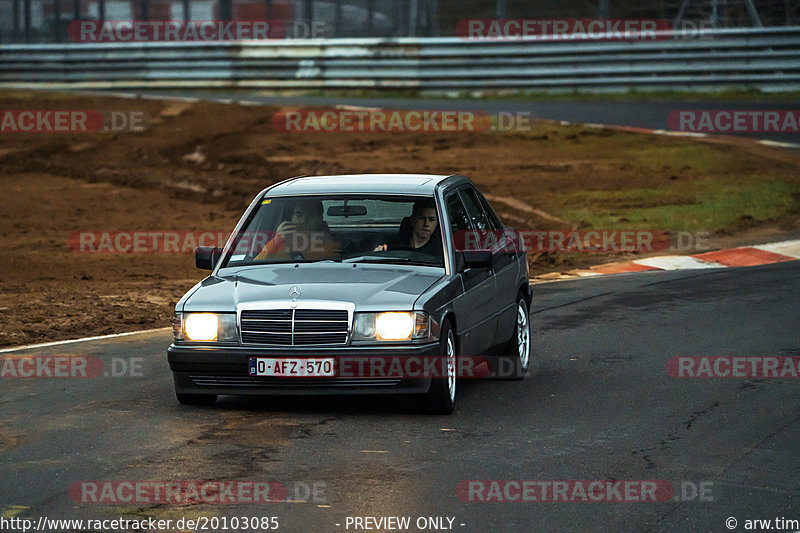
278 242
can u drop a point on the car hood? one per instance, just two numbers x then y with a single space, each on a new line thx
369 287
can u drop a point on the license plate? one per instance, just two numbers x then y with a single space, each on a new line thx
292 368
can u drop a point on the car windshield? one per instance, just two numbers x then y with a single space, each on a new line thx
351 228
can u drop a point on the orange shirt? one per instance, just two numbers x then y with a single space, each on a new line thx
315 248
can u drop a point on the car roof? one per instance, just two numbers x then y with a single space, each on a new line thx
422 184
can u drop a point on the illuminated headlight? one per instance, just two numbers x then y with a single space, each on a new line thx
204 327
392 326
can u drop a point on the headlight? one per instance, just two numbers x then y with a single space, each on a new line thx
204 327
201 327
392 326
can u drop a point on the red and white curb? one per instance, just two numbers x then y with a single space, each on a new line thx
761 254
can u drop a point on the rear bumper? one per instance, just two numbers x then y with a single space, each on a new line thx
225 370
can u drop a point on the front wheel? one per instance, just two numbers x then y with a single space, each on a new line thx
441 397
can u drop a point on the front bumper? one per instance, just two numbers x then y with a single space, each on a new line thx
225 370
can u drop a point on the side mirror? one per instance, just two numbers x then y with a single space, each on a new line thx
473 259
205 257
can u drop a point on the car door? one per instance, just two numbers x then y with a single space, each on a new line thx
505 263
474 309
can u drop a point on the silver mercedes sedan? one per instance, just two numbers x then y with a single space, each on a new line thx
357 284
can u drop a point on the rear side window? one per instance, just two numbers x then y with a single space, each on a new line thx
494 222
459 220
475 211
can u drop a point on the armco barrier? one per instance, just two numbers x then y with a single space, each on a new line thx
763 58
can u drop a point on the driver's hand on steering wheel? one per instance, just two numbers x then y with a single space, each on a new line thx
381 248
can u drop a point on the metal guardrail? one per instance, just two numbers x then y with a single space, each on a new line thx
764 58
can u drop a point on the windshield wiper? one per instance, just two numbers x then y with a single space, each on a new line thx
385 259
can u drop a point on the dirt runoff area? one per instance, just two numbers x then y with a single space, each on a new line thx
196 166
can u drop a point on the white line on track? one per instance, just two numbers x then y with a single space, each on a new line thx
676 262
71 341
778 144
788 248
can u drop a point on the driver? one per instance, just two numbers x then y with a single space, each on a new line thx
305 235
424 222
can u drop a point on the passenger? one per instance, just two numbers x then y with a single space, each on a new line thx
422 236
305 235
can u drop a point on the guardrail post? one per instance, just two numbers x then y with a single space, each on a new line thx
337 21
413 11
370 18
27 30
225 10
433 9
501 9
308 12
57 21
15 26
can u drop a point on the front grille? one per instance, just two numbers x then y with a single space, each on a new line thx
294 327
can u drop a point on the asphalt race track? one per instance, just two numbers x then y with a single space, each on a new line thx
602 406
649 114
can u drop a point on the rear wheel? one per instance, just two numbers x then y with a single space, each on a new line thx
517 357
196 399
441 397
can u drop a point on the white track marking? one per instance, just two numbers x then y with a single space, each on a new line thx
788 248
778 144
85 339
676 262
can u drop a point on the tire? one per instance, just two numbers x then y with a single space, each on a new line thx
196 399
518 351
441 397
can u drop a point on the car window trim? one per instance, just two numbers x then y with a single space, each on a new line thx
247 218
